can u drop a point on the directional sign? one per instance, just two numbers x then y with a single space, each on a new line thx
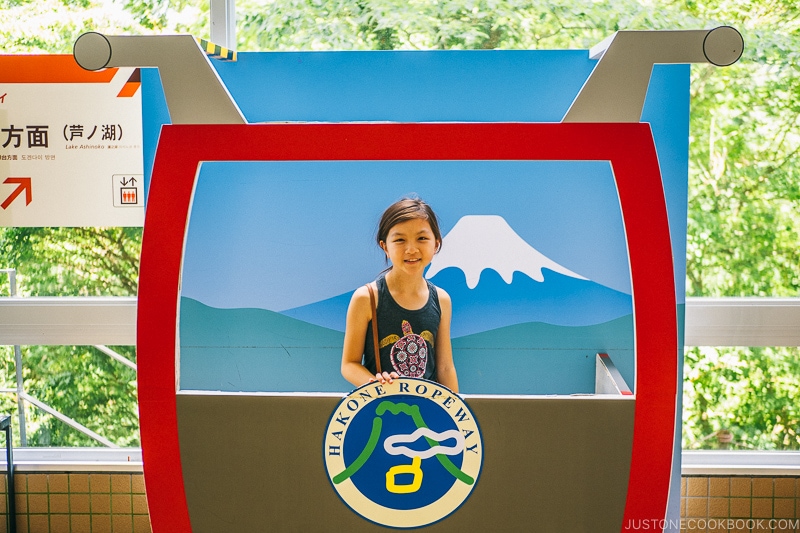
70 144
24 184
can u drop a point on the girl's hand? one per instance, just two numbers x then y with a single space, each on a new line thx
384 377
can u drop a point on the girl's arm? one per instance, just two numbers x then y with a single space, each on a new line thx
359 313
445 368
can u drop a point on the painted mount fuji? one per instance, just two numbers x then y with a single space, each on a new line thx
496 279
500 249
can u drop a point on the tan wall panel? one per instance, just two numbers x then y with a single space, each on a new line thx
254 463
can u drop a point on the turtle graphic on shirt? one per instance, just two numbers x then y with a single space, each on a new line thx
409 355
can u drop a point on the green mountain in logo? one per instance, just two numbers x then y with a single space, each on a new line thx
374 437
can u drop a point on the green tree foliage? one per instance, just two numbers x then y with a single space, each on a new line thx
744 222
426 24
744 225
52 26
751 393
744 205
86 385
78 381
73 261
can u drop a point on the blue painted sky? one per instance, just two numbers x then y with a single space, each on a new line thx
278 235
286 234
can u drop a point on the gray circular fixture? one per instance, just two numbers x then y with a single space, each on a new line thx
92 51
723 46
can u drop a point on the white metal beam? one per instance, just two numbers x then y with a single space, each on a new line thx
112 460
68 321
740 463
85 321
223 23
742 322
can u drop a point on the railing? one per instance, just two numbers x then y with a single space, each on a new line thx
101 321
112 321
24 329
748 321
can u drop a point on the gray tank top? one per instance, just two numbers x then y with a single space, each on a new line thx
406 338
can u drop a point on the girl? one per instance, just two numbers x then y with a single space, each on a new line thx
413 314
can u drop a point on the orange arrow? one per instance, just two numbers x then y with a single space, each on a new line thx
24 185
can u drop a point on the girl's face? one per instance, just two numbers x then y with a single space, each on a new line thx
410 245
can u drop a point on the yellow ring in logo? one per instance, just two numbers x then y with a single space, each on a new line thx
455 451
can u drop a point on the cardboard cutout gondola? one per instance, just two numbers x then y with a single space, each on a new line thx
591 453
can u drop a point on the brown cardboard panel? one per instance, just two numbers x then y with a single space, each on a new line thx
254 463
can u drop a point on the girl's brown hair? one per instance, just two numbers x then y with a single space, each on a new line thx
404 210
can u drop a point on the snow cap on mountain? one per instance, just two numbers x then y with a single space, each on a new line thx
478 242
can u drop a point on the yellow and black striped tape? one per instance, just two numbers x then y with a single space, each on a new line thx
216 51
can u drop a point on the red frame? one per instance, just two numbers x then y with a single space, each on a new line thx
628 147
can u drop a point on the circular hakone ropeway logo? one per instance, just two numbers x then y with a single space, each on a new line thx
403 454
